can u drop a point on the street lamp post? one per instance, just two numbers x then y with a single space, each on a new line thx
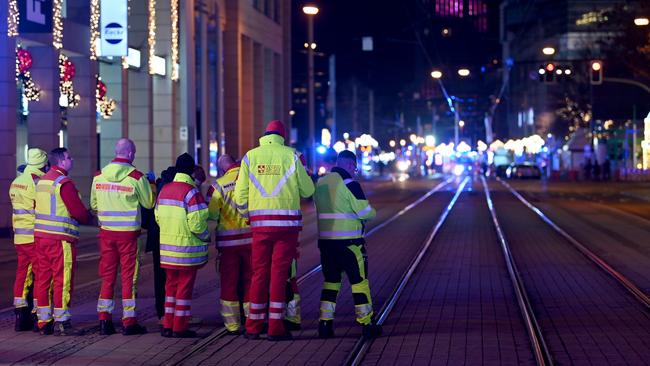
311 11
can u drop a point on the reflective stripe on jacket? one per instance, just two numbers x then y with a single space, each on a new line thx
340 213
232 229
116 194
23 195
270 183
181 213
52 217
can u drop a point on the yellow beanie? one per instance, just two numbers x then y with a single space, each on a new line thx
36 157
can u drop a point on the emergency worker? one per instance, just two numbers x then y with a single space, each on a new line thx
270 183
117 192
23 194
342 209
59 211
181 213
233 239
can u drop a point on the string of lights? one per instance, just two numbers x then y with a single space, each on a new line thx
57 23
105 105
94 28
151 38
67 71
174 12
13 19
23 64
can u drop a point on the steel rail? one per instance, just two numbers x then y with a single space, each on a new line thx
362 345
624 281
205 342
540 349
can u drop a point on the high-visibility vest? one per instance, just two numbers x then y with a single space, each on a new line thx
181 213
232 229
52 217
270 183
340 213
116 194
23 194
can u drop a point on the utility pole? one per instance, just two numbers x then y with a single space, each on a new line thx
311 12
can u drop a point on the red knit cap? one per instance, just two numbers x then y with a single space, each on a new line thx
276 126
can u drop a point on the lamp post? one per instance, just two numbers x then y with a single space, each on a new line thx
311 11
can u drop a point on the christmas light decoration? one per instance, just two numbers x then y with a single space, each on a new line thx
105 106
23 64
151 38
174 12
94 28
67 72
57 24
13 19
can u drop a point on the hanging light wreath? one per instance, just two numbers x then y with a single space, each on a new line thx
23 64
105 106
67 71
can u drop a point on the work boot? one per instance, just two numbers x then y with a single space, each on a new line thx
326 329
166 332
63 328
134 329
185 334
106 327
283 337
292 326
372 330
35 323
23 319
235 332
47 329
251 336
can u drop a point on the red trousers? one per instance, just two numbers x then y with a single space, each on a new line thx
272 256
178 298
25 270
56 261
235 269
125 253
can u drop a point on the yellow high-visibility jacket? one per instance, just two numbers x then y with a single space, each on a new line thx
23 195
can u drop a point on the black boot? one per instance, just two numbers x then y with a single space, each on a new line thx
23 319
292 326
326 329
134 329
47 329
35 322
372 330
64 328
277 338
106 327
166 332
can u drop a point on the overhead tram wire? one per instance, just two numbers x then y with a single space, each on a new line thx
540 349
601 263
222 332
362 345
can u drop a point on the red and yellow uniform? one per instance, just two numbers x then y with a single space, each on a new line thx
59 211
117 192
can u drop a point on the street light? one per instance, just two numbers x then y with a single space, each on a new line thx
461 123
436 74
311 11
641 21
463 72
548 51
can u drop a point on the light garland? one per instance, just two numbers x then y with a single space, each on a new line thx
13 19
23 64
174 11
151 38
105 106
57 24
66 73
94 28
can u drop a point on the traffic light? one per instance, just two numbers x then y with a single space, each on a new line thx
547 73
596 71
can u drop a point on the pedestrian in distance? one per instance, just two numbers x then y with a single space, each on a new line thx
233 239
181 213
59 212
342 210
22 193
269 187
117 193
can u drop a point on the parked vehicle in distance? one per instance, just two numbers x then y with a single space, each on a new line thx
523 171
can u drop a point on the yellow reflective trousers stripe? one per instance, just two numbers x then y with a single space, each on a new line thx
67 274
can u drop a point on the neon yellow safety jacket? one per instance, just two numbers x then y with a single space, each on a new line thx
181 213
232 229
270 183
341 206
116 194
53 220
23 195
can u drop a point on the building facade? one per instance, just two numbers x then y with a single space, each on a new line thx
201 76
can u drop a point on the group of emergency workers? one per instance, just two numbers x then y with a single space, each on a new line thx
256 204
